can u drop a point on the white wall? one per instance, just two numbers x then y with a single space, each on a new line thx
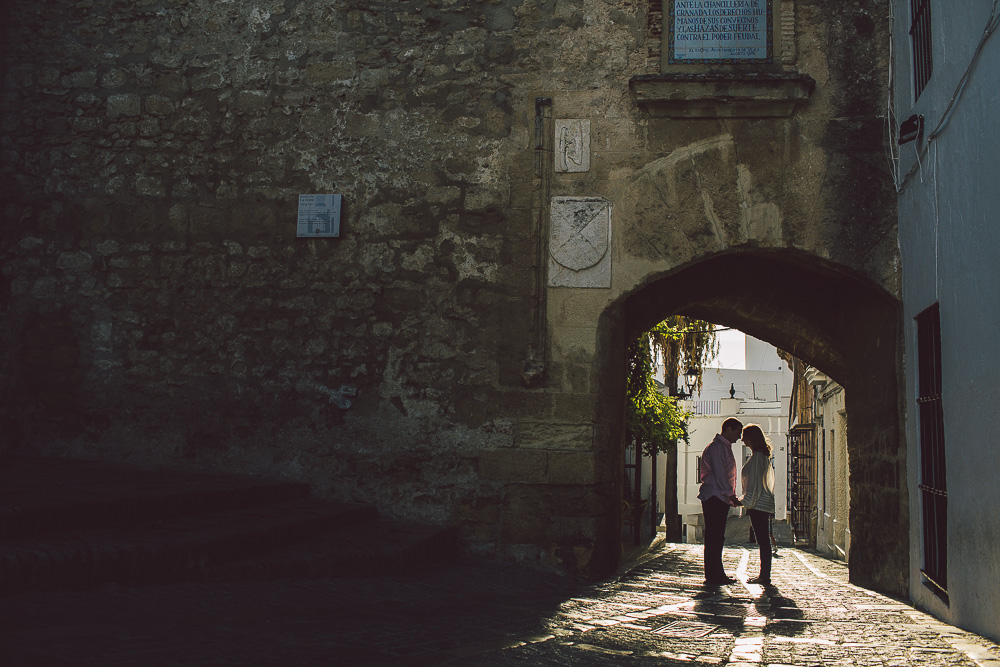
773 420
765 376
949 233
762 397
764 385
701 430
761 356
833 532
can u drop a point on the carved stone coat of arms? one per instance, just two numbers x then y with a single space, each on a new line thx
580 242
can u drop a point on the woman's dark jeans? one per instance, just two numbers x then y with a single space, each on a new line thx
762 531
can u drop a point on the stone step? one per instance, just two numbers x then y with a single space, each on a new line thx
183 548
44 495
79 524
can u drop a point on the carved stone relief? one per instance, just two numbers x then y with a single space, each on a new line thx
580 242
572 145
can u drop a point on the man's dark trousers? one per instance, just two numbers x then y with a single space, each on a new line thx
716 512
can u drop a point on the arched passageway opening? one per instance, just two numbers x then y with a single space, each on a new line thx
825 315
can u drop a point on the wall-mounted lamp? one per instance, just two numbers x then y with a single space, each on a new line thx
911 128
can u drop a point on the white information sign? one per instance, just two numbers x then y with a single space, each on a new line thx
720 31
319 216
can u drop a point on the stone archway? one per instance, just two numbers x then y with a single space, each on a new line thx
823 313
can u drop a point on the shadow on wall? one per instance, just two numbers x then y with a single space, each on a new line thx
48 376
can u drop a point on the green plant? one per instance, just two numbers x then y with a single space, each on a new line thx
654 419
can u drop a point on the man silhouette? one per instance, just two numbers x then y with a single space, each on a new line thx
718 493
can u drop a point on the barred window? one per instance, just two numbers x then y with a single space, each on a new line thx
920 38
933 487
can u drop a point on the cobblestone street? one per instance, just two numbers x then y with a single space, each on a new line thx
486 613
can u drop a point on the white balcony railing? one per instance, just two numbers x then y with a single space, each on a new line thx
705 407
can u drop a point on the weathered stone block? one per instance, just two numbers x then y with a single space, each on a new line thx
49 77
150 186
85 79
575 407
480 510
550 436
572 468
554 500
329 72
126 105
253 100
573 343
481 199
526 405
85 125
44 287
149 127
160 105
207 81
573 530
75 261
114 78
513 465
571 378
444 195
525 527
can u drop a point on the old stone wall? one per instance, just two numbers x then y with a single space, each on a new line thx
158 307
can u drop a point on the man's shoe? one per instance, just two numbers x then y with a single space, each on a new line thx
760 581
722 581
776 554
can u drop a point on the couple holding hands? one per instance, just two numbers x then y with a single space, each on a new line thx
718 494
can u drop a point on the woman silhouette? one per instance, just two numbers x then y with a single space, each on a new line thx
758 498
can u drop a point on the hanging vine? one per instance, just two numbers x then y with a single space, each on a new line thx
656 420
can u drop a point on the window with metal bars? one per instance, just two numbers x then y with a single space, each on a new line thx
933 488
802 482
920 39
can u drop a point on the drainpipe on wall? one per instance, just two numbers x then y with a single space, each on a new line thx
534 364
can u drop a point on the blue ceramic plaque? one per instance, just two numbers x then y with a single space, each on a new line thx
319 216
704 32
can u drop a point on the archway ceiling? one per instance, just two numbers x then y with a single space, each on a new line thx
801 304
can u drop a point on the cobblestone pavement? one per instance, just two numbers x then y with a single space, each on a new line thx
486 613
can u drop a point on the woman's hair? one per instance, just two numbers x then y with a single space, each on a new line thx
755 439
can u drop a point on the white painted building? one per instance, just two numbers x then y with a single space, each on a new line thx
762 376
947 76
771 416
833 502
760 395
